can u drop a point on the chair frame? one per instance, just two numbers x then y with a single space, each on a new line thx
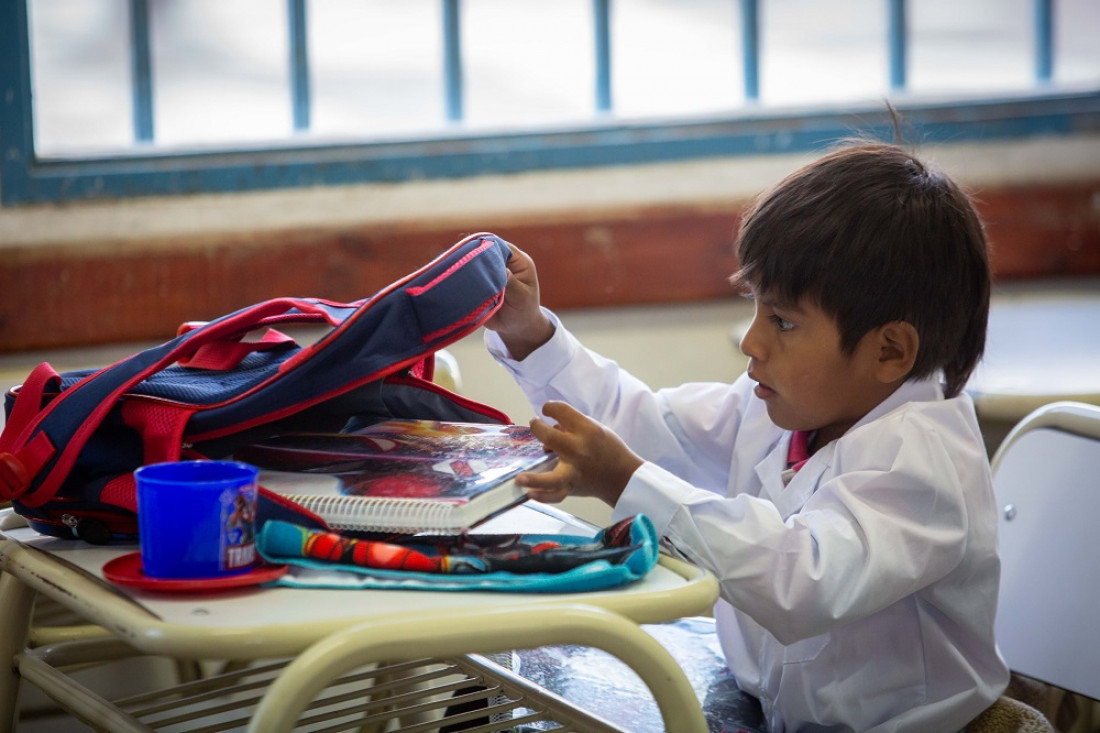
1076 418
1026 653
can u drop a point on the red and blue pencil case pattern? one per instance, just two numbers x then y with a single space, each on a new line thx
522 563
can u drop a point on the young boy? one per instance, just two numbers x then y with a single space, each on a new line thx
839 489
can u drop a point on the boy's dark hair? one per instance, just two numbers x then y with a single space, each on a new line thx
872 235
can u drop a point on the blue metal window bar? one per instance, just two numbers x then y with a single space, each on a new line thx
452 59
299 63
27 178
141 71
750 48
897 36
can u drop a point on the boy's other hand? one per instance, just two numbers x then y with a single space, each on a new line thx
592 459
519 321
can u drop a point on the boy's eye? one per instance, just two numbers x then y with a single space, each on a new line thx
782 323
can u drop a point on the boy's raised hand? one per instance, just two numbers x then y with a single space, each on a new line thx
520 322
592 459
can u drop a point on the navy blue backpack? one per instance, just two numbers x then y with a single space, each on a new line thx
72 441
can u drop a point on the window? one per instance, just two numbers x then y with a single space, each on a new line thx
263 93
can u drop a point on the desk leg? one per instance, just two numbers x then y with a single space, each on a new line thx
16 604
482 631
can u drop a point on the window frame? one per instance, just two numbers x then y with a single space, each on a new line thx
26 178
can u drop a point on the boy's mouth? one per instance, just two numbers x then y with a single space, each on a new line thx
761 390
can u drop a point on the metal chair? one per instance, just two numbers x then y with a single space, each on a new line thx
1046 476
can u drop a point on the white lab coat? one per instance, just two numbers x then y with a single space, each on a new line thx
860 595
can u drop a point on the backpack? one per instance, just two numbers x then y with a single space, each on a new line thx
72 440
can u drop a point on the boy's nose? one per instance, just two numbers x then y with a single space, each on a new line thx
750 343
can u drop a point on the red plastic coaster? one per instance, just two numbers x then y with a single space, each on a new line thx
126 570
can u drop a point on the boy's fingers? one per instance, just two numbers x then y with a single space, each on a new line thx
551 486
557 437
547 496
563 413
520 262
544 431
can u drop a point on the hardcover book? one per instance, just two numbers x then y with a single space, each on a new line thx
402 475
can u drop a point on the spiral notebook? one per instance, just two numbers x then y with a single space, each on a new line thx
402 475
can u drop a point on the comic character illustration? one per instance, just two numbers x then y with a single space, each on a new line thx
240 524
238 531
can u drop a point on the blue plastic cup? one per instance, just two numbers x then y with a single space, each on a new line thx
196 519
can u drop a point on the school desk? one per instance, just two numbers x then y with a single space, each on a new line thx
319 636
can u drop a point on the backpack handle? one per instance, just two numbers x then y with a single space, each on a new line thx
228 354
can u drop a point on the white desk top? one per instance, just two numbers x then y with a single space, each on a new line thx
238 622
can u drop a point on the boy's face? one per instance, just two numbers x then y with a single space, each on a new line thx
803 376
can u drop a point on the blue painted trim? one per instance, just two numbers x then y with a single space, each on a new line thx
601 22
141 71
750 48
1044 41
452 59
898 42
298 41
466 155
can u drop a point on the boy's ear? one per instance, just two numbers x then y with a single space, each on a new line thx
898 343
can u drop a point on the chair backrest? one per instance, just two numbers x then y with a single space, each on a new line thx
1046 476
